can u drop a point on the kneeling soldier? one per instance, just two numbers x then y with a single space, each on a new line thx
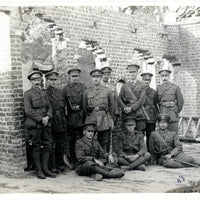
167 148
130 147
91 157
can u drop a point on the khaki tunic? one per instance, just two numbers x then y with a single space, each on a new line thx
170 100
150 105
126 99
73 98
36 106
162 144
126 144
98 103
58 107
87 150
115 96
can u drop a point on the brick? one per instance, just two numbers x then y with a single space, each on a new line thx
114 36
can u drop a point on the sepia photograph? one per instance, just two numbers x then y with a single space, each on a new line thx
99 99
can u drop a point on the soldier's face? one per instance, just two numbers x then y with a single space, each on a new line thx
52 81
36 82
74 78
146 81
88 133
96 79
163 124
130 128
133 73
164 76
106 76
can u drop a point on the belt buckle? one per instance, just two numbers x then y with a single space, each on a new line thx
96 108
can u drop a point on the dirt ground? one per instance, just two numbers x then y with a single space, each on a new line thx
155 179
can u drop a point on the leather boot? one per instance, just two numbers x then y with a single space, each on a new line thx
141 168
137 163
123 161
107 174
40 175
97 177
37 162
45 162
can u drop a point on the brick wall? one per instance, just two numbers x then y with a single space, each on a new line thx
190 41
184 43
115 34
12 146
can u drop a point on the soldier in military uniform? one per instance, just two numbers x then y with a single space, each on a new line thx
59 130
167 148
149 106
105 82
130 147
38 115
73 98
170 98
98 103
132 98
91 156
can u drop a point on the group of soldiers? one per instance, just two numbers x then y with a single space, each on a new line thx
73 127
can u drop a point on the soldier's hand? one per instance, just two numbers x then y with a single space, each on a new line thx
132 158
127 110
98 162
45 120
168 156
111 159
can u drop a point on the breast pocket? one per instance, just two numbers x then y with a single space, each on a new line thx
103 98
36 102
90 98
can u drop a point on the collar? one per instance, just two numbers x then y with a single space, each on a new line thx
36 89
134 82
87 140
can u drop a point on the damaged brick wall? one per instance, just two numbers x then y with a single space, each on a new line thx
12 143
118 34
184 42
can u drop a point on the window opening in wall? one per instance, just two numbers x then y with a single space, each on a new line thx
5 51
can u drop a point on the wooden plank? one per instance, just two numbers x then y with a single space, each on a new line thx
179 124
187 139
197 128
188 125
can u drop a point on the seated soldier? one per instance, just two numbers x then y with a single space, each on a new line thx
167 148
130 147
91 156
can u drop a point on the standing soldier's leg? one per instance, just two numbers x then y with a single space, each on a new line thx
74 133
47 147
141 125
59 148
52 160
36 138
67 153
29 152
150 127
104 139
